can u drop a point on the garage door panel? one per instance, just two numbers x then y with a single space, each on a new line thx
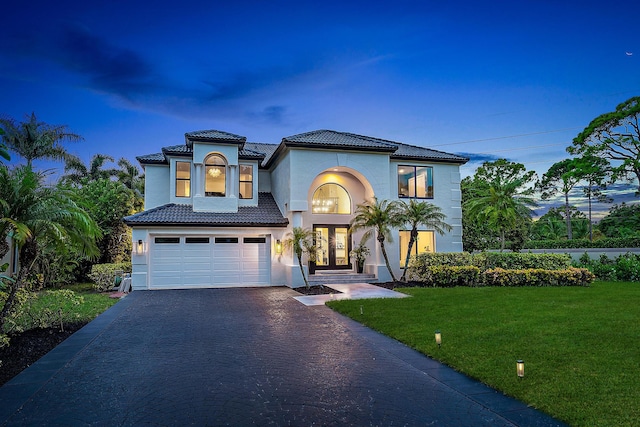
209 261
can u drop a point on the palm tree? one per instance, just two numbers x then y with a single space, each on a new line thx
78 172
33 140
416 214
3 149
130 176
300 241
378 217
32 215
501 206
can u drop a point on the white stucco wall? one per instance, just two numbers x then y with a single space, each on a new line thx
156 186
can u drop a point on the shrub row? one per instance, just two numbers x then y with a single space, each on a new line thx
497 269
631 242
625 267
103 276
488 260
448 276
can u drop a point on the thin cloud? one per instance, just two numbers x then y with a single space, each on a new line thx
479 158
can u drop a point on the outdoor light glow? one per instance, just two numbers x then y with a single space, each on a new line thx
139 248
520 368
438 338
278 247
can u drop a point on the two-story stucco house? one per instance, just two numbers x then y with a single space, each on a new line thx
217 208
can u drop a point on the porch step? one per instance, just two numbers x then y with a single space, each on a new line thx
329 278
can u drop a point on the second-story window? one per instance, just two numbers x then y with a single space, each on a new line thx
246 181
415 181
215 176
183 179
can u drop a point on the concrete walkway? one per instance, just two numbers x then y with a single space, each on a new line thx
350 291
251 356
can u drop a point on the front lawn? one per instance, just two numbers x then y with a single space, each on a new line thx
580 345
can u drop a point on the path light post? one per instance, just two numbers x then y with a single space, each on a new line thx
438 338
520 368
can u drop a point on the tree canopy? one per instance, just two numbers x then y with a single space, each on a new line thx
614 136
34 140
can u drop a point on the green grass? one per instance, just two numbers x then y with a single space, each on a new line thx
56 308
580 345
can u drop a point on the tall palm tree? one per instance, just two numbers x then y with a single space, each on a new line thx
379 217
77 172
3 149
34 140
300 241
130 176
416 214
32 215
501 206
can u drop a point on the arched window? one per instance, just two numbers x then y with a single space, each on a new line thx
215 183
331 199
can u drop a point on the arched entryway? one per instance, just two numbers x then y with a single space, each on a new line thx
334 195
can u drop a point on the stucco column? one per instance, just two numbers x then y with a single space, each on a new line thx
296 219
198 179
232 184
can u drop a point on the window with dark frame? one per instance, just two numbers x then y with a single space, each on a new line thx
415 182
246 181
196 240
425 243
183 179
165 240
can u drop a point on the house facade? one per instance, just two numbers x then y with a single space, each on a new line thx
218 208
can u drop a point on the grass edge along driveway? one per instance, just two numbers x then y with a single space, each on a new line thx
580 345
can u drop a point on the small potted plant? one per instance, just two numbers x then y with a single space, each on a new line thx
359 254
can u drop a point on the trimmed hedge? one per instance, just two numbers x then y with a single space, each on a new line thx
631 242
496 269
103 276
538 277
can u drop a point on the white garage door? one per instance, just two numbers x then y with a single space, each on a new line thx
208 261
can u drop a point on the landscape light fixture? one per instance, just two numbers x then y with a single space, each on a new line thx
520 368
139 247
438 338
278 247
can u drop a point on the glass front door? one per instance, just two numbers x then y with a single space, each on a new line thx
333 246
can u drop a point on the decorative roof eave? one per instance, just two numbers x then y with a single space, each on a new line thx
459 160
210 225
152 159
214 136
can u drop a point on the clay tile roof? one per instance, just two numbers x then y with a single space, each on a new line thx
266 214
334 139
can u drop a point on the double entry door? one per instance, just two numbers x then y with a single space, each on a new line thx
333 246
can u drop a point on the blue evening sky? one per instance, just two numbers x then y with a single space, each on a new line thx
513 79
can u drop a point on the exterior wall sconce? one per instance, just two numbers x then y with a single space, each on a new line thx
438 338
139 247
520 368
278 247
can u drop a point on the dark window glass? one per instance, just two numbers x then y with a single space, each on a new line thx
255 240
167 240
226 240
197 240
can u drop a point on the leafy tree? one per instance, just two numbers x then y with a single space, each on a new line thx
107 202
614 136
77 173
300 241
501 196
476 234
623 221
561 177
416 214
34 216
379 217
549 228
34 140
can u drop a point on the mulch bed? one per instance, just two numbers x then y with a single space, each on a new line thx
26 348
316 290
393 285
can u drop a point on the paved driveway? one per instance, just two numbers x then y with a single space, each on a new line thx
251 356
